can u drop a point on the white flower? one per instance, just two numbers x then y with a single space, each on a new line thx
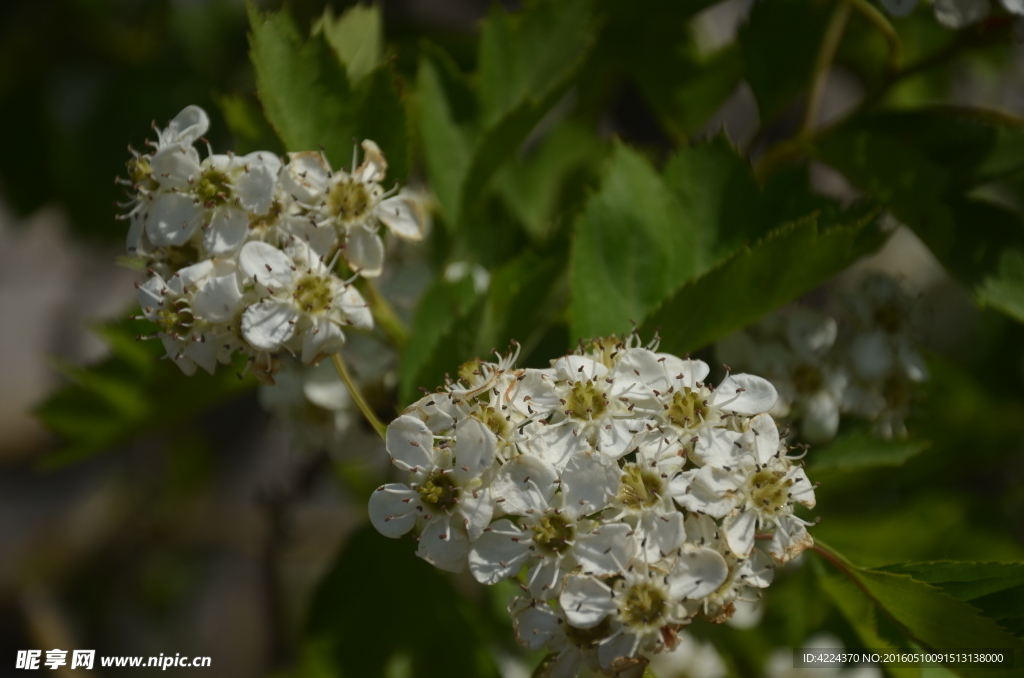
446 496
302 305
538 625
960 13
194 312
354 205
551 536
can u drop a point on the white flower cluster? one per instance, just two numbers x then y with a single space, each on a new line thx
957 13
623 491
242 249
867 368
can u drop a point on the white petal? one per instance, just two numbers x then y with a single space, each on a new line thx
476 511
410 443
187 126
586 601
374 166
305 177
663 534
151 295
687 373
227 231
802 490
697 574
525 483
475 445
173 166
765 434
204 354
218 300
556 444
589 483
353 308
437 410
711 491
546 576
789 540
606 550
618 650
717 447
498 554
136 227
745 394
172 219
191 276
266 264
739 532
443 545
536 392
404 215
255 188
959 13
758 570
268 324
323 339
616 437
534 624
364 252
389 511
579 368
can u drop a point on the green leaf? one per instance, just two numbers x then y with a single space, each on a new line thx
997 589
785 264
249 130
527 62
930 617
130 393
531 187
528 55
357 37
447 143
630 249
380 600
443 305
859 611
859 449
308 98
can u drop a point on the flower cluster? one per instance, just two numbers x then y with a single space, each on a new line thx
868 367
624 492
957 13
242 250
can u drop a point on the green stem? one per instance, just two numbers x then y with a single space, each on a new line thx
357 396
823 64
384 315
879 21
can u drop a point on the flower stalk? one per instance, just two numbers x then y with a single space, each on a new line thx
357 395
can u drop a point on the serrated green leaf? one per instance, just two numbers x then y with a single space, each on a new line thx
528 54
997 589
930 617
357 37
630 250
859 611
785 264
129 393
859 449
308 98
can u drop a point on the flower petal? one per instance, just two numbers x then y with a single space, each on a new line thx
410 443
218 300
266 265
586 601
745 394
589 483
227 231
443 545
526 483
607 550
254 188
364 252
404 216
498 553
475 446
739 532
268 324
477 509
324 338
697 574
172 219
392 509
